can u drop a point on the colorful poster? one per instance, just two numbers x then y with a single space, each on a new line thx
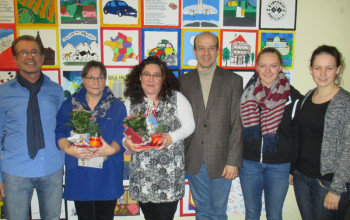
121 47
120 12
240 14
79 46
115 81
6 76
71 81
78 12
161 13
239 49
36 11
200 13
283 41
7 36
126 206
188 35
162 43
49 39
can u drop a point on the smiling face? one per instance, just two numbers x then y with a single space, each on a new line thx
269 66
324 70
206 51
94 82
151 80
28 65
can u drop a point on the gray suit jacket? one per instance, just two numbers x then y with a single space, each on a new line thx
218 135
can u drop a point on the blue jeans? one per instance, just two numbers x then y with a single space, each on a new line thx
210 196
310 194
257 177
19 192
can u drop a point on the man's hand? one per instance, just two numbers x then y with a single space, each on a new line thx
331 201
230 172
2 190
291 179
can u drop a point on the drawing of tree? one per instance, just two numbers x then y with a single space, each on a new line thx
252 57
225 55
246 59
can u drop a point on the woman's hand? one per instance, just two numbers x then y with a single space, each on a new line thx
291 179
131 145
105 149
331 201
167 140
80 153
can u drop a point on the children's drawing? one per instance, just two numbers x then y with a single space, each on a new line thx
6 76
121 47
6 57
240 13
36 11
239 49
162 44
283 41
48 38
200 13
71 82
79 46
120 12
78 11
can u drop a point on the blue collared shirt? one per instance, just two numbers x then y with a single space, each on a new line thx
13 130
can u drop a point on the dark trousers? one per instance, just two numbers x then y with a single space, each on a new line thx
95 210
310 194
159 211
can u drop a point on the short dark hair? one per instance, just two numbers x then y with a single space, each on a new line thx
133 84
94 63
206 33
26 38
270 50
334 52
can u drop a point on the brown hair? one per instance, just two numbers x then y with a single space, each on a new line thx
133 83
26 38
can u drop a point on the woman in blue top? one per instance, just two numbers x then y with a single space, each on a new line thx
95 189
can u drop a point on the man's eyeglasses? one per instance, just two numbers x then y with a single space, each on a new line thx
92 78
148 75
24 53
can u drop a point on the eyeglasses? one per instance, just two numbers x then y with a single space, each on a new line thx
24 53
148 75
92 78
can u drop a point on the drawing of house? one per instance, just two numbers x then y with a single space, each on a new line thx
279 43
49 53
89 11
239 49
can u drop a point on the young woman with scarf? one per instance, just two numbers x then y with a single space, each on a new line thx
95 189
322 168
267 106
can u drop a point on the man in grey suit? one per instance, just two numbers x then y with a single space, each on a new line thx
213 152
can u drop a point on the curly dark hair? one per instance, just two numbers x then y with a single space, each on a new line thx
133 83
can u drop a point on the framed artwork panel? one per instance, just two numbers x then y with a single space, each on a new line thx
121 46
43 12
238 49
188 59
161 13
49 39
283 41
162 43
79 46
120 13
201 13
240 14
7 36
278 14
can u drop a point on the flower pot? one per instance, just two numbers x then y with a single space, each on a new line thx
95 141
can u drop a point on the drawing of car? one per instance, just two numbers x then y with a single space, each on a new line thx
162 50
119 8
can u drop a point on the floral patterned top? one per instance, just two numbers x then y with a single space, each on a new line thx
158 175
